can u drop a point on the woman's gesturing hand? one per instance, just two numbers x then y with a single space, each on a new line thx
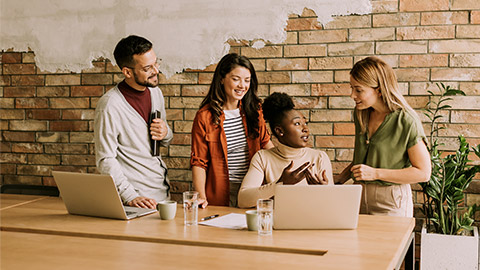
291 177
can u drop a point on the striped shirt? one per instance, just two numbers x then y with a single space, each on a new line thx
237 147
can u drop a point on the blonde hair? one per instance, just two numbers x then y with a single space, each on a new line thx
375 73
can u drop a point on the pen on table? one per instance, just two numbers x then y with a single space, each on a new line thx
209 217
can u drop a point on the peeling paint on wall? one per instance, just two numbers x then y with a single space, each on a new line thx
69 34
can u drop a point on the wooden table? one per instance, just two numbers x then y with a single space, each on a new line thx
12 200
378 242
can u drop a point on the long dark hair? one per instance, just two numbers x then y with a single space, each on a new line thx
216 94
275 107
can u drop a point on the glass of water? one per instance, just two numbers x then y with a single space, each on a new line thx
265 216
190 207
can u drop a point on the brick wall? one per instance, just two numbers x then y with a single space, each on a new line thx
47 118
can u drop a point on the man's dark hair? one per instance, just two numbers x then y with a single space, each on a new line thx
128 47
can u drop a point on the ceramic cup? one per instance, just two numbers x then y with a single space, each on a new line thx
167 209
252 220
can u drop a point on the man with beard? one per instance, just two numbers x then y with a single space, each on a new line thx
124 127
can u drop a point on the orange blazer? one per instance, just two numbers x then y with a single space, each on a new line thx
209 151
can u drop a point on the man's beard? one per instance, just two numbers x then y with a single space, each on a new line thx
146 83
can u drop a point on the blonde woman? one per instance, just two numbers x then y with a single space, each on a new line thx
390 144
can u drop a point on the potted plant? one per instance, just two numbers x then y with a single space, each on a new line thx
447 232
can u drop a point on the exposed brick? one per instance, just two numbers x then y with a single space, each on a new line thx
28 125
46 114
433 18
320 128
348 22
417 102
42 159
331 89
426 32
331 116
465 60
67 79
28 57
205 78
305 50
195 90
73 103
52 137
341 103
334 141
465 103
53 91
466 129
97 67
22 180
181 139
185 102
470 88
182 126
4 80
86 91
341 76
78 160
78 114
454 46
455 74
82 137
322 36
31 103
273 77
19 91
11 57
423 60
292 89
27 148
28 80
174 114
12 114
468 31
267 51
190 113
182 78
62 148
177 186
8 169
68 126
170 90
401 47
177 162
465 117
343 154
287 64
292 38
371 34
33 170
179 151
18 69
15 136
475 17
412 74
414 5
13 158
343 129
357 48
384 6
3 125
397 19
310 103
97 79
331 63
303 24
465 4
312 76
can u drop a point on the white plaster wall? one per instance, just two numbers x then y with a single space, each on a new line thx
69 34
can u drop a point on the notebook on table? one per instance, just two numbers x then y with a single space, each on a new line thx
94 195
316 206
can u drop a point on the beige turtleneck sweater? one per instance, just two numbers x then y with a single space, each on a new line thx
267 166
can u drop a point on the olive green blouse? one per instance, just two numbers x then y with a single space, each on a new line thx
387 148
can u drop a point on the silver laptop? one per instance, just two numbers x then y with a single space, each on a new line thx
316 206
94 195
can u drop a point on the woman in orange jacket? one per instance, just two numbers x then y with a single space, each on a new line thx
227 131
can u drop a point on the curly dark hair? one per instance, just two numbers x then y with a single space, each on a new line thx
127 47
274 108
216 94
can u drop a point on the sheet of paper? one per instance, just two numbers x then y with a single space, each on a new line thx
228 221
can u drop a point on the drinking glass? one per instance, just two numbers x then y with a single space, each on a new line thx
265 216
190 207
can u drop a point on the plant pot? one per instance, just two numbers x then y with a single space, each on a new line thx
440 251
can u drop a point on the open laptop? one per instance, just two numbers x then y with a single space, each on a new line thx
316 206
94 195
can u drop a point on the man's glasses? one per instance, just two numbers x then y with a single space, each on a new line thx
150 68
